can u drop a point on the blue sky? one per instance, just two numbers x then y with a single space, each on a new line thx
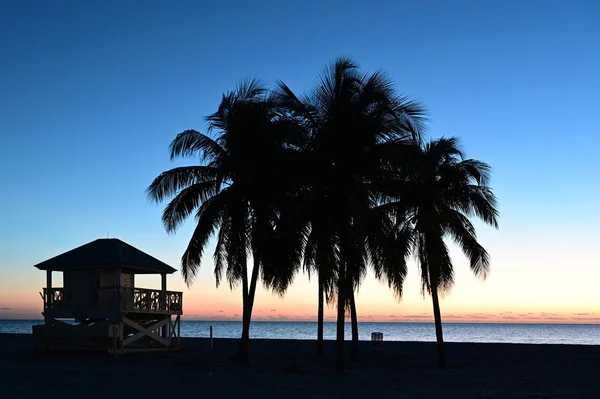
92 93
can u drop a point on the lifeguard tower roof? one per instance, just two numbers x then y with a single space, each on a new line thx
106 253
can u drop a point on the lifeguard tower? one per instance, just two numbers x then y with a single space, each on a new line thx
100 306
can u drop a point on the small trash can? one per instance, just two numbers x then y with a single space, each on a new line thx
376 338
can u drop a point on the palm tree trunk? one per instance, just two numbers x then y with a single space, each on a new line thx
243 354
441 355
341 307
355 354
320 317
243 349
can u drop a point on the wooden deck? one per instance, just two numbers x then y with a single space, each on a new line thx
120 319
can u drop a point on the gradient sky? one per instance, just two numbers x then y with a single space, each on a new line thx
92 93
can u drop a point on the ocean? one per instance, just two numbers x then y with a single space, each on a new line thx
577 334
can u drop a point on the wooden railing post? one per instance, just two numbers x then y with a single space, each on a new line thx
163 299
163 291
152 300
49 288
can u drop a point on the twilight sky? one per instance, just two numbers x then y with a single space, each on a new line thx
92 93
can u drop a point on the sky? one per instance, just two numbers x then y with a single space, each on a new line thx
92 93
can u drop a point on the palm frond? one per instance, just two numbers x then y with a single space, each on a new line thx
170 182
209 217
476 201
188 200
443 149
477 170
463 233
297 107
192 142
411 117
389 250
338 81
250 90
238 243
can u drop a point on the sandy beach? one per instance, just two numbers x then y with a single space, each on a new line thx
289 369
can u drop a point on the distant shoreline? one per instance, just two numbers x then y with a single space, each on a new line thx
365 322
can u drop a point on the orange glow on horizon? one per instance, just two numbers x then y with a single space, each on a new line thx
198 307
470 301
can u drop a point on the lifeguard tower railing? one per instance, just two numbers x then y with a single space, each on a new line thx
105 300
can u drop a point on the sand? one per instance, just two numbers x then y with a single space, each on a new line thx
289 369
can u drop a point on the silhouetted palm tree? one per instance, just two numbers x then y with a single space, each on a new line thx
353 122
233 194
438 193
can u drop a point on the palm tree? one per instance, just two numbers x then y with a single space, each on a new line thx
353 122
438 192
233 193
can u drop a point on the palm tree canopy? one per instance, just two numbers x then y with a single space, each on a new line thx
355 127
234 191
438 191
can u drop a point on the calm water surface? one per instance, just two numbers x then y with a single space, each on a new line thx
453 332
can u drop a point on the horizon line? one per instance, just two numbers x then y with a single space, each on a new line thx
383 322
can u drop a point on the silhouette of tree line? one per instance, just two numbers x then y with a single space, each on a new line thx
331 183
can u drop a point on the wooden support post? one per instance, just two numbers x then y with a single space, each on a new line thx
178 331
49 295
163 299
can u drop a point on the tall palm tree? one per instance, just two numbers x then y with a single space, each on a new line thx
353 121
233 193
438 192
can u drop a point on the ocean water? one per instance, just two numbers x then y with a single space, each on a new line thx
577 334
